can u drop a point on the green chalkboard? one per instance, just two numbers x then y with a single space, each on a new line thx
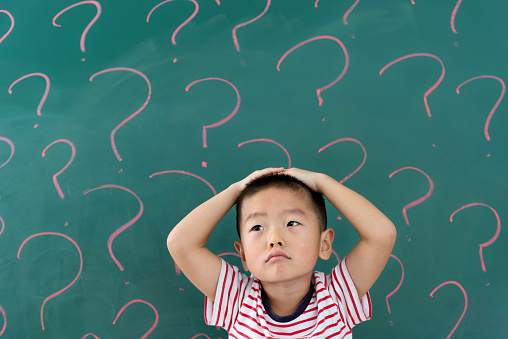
106 108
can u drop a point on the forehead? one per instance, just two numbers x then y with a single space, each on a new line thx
274 200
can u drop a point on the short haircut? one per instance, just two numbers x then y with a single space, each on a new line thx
282 180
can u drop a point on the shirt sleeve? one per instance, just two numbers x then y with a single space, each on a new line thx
228 296
353 310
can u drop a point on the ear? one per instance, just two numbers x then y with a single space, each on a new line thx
239 248
326 249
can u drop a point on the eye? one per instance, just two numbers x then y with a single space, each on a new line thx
257 228
293 223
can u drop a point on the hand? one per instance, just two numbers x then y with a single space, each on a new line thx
307 177
257 174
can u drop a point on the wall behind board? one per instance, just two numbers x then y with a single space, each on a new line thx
117 118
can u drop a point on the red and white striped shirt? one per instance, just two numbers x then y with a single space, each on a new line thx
332 312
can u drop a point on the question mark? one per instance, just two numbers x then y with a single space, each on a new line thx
235 39
83 35
12 24
271 141
454 13
5 320
146 303
199 335
7 140
179 27
491 241
223 121
11 144
465 306
123 227
123 308
430 90
319 90
43 100
503 89
361 165
347 139
69 285
422 199
55 180
88 334
177 269
344 18
113 145
398 286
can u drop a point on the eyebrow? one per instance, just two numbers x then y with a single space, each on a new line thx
286 211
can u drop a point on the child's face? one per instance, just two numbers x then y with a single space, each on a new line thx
281 219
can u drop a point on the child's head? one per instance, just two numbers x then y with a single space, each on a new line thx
282 227
314 199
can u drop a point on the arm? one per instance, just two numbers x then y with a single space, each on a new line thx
377 233
186 242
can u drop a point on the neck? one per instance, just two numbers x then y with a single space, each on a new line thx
285 297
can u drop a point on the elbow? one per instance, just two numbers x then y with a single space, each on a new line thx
390 235
171 243
385 236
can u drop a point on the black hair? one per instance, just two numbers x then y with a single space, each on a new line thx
281 180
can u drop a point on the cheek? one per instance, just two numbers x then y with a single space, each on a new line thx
252 247
308 243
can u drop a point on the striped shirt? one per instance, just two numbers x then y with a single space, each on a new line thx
332 312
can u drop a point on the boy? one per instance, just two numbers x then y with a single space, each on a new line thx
281 220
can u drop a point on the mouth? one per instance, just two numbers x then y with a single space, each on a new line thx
277 255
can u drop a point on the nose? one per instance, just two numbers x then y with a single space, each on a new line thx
277 239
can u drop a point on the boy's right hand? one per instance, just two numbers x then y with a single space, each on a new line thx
257 174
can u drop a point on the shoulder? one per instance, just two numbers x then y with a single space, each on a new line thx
231 277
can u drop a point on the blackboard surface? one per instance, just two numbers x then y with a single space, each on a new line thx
106 107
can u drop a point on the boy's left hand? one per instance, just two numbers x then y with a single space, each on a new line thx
307 177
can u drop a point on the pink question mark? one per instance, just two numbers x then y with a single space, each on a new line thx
199 335
112 137
491 241
398 286
55 180
348 139
177 269
83 35
422 199
321 37
12 24
465 298
183 24
271 141
344 18
454 13
12 150
336 256
48 85
235 39
230 253
433 87
147 333
223 121
123 227
503 90
5 320
11 144
69 285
